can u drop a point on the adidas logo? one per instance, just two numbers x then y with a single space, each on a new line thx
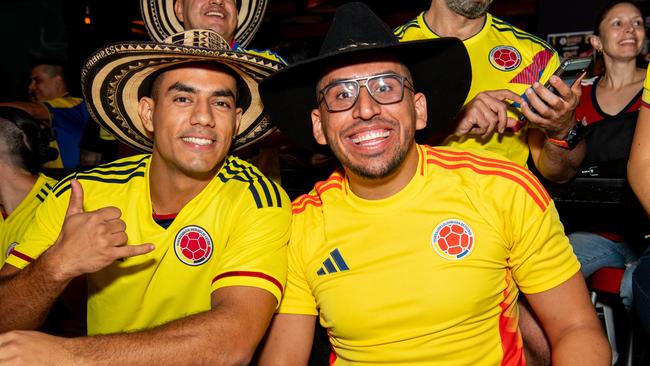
330 264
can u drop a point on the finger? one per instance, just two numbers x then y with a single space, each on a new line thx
115 226
133 250
109 213
536 101
505 94
562 89
76 204
502 119
512 122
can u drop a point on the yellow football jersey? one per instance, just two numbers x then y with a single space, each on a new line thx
502 57
233 233
430 275
14 226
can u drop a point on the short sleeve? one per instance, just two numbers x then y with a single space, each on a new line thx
256 252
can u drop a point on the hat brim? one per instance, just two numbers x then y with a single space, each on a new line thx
440 68
112 83
161 21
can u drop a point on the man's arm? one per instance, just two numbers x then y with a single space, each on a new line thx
288 341
638 167
37 110
97 237
570 322
225 335
554 115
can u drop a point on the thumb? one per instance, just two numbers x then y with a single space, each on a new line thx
76 204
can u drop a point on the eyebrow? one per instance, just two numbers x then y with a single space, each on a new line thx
178 86
367 76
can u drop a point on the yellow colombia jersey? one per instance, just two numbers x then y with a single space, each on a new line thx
233 233
14 226
645 99
502 57
428 276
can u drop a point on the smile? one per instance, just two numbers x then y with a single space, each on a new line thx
198 141
215 14
370 137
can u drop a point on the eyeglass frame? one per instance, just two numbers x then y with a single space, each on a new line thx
402 78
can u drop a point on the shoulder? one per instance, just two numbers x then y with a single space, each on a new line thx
517 35
490 174
64 102
413 29
244 179
328 191
114 174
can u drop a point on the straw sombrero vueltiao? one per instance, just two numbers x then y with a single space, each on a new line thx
440 68
161 21
115 78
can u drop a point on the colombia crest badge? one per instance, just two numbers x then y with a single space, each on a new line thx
193 245
505 58
453 239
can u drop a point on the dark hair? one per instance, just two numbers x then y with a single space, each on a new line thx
26 140
608 6
54 67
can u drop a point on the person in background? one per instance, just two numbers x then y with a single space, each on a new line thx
506 63
610 106
638 174
24 148
237 22
50 102
183 249
411 254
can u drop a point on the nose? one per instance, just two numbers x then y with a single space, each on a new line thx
201 114
365 107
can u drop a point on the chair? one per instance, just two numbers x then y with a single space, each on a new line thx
607 280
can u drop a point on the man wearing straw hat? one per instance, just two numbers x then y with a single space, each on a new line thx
183 249
410 254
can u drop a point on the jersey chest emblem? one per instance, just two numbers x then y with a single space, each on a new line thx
505 58
193 245
453 239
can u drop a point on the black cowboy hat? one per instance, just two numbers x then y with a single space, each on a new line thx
440 68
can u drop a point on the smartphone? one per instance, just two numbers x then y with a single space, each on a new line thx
569 71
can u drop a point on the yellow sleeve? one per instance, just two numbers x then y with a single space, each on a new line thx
256 253
540 254
45 229
646 89
298 298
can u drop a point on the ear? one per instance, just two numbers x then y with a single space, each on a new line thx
146 108
178 9
420 104
238 113
596 42
317 127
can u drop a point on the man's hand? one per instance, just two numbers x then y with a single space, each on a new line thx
486 113
555 115
90 241
33 348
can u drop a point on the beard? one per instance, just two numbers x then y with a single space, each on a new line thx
377 166
468 8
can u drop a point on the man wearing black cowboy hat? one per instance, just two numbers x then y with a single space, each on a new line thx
412 254
203 287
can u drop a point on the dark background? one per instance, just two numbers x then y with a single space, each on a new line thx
294 28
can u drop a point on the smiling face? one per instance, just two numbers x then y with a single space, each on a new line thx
371 140
46 83
621 32
217 15
193 118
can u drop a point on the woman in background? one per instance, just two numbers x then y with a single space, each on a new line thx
610 106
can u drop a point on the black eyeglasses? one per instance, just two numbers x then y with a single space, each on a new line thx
384 89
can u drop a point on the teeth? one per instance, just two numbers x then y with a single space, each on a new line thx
370 135
215 13
197 141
